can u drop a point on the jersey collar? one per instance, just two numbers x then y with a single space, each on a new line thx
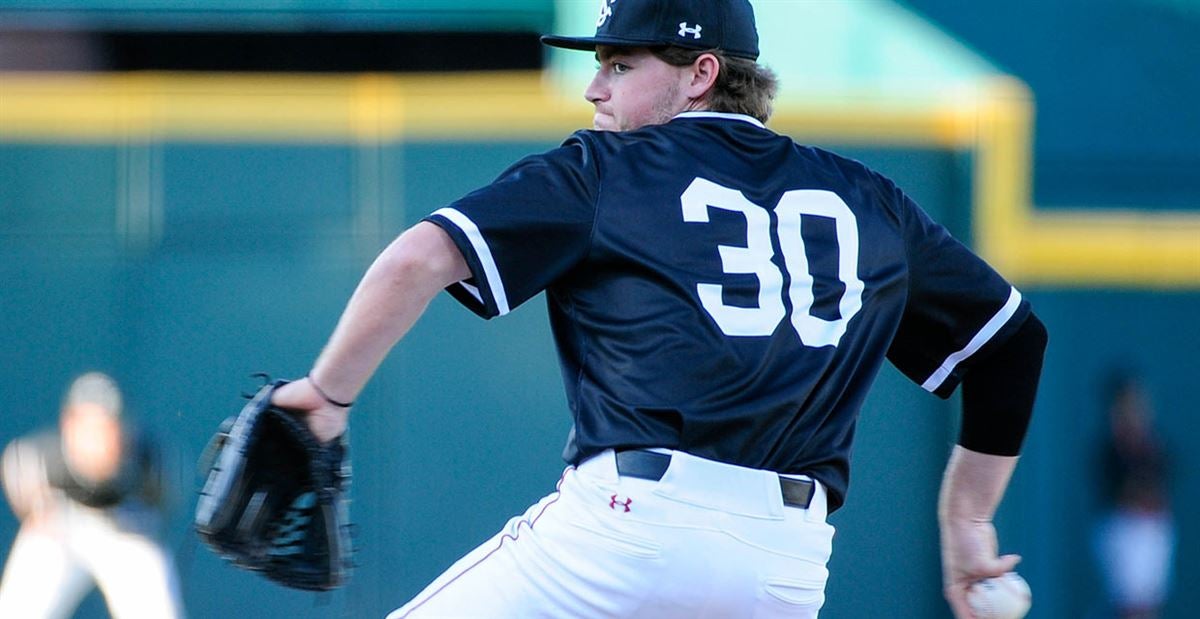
724 115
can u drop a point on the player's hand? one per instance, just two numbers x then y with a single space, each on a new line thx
969 550
26 484
971 491
326 421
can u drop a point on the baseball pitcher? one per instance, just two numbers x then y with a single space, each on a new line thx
722 299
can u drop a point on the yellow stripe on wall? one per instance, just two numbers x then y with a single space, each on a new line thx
306 108
1076 247
283 108
1073 247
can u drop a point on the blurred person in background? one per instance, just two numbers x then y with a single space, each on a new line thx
89 496
1135 538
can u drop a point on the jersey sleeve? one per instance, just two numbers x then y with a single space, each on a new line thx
525 230
958 308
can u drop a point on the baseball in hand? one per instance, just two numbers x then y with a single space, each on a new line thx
1003 597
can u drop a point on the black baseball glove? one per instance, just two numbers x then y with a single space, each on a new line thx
276 499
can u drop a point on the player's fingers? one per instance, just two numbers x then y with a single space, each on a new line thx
1008 562
956 592
956 596
326 421
297 396
997 567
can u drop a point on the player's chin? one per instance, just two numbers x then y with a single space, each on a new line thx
604 122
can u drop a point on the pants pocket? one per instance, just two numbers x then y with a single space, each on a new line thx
803 595
618 541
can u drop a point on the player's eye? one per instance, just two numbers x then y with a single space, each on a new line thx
620 68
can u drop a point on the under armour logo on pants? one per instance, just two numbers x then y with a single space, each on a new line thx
626 503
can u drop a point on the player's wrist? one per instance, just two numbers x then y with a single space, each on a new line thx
973 486
329 398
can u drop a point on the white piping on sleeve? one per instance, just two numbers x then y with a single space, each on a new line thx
474 291
985 334
483 252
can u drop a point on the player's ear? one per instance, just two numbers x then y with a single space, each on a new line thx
703 75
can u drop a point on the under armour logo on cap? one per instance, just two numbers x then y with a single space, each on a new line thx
605 12
684 30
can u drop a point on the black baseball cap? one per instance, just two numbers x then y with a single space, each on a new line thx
727 25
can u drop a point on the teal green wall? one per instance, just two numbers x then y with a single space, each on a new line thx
1093 67
1057 488
299 15
245 255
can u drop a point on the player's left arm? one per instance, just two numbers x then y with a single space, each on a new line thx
998 397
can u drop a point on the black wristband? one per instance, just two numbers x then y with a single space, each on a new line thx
326 395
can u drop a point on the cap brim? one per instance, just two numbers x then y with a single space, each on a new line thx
587 44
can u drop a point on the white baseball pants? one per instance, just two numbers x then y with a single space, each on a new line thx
708 540
1136 551
53 564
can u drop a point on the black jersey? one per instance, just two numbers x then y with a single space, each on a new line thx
716 288
137 478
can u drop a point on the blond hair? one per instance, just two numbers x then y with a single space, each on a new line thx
743 86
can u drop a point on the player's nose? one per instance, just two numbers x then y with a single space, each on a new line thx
597 90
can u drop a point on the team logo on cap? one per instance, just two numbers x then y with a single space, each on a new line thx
684 30
605 11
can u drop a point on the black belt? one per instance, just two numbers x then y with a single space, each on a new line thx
652 465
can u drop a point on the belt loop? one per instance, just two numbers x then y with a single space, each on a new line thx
797 492
818 508
602 466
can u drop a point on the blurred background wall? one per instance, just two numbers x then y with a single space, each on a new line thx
189 193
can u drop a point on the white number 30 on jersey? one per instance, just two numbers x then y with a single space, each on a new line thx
755 258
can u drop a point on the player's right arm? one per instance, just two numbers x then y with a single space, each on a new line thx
972 488
998 396
389 299
965 325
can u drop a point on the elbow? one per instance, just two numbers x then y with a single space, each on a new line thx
423 259
403 271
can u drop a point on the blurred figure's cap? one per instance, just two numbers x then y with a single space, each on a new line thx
95 388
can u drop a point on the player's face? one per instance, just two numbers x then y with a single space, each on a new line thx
91 439
633 89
